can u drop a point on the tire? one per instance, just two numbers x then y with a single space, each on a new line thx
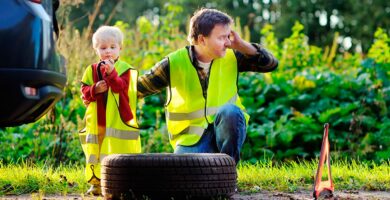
167 176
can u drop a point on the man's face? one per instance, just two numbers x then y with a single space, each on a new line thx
218 40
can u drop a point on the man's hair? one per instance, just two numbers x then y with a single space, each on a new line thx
203 22
105 33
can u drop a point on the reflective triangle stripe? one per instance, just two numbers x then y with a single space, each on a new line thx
190 130
198 113
122 134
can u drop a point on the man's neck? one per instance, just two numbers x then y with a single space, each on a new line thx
201 55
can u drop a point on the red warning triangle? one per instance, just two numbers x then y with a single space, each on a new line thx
320 185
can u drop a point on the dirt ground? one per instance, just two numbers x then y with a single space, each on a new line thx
302 195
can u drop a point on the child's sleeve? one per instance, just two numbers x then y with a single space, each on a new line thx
88 86
118 83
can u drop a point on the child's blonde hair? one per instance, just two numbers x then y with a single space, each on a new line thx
107 32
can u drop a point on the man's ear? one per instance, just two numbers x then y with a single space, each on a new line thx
201 39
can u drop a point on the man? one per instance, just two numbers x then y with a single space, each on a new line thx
204 113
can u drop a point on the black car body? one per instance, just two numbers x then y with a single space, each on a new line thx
32 77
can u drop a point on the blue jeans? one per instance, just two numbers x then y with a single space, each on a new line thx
226 135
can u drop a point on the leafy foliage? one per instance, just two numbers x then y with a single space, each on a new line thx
289 106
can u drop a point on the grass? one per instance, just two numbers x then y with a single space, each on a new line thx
26 178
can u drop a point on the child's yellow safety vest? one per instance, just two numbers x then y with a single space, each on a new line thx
119 138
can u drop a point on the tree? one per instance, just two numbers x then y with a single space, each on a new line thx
354 21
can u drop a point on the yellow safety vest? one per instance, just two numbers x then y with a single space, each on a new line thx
188 113
119 138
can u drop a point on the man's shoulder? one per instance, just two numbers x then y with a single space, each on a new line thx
180 50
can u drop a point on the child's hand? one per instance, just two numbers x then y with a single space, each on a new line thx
86 102
109 66
100 87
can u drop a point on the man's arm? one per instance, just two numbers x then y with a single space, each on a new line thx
262 61
252 57
155 80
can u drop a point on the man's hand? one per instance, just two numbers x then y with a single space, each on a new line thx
241 45
235 40
100 87
108 66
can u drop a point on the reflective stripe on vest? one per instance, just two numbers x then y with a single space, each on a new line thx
88 139
94 160
91 139
110 132
191 129
122 134
198 113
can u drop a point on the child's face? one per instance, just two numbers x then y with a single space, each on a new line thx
108 49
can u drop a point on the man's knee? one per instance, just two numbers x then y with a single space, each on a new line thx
230 111
230 123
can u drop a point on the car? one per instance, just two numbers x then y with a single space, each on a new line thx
32 73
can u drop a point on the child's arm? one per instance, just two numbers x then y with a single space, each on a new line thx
89 89
118 83
88 93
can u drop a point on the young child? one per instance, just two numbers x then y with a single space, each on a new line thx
109 89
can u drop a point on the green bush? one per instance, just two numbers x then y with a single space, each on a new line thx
289 106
